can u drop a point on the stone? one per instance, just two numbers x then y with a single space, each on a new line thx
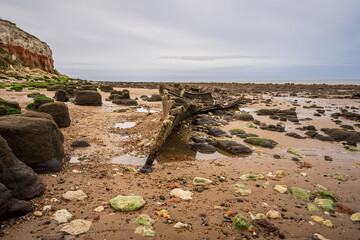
355 217
248 177
240 189
155 98
326 194
20 179
74 195
241 222
79 143
292 151
231 147
179 193
280 189
216 132
62 216
106 88
273 214
145 228
99 209
34 140
203 148
145 231
126 102
127 203
11 207
179 225
263 142
37 214
311 207
59 112
91 98
201 181
300 193
145 220
326 204
317 236
244 117
61 95
76 227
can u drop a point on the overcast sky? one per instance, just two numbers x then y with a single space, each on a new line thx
196 40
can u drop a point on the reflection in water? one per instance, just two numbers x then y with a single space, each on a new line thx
125 125
130 160
247 109
144 110
209 156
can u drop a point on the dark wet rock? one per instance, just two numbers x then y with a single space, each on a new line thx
3 111
216 132
355 95
11 104
351 143
10 206
244 117
348 127
294 135
144 97
247 135
80 143
106 88
198 140
276 112
36 141
237 131
343 135
20 179
256 122
204 120
61 96
275 128
34 95
283 118
53 87
91 98
203 148
126 102
327 158
116 95
32 114
59 112
155 98
310 128
311 133
293 119
277 156
274 117
323 138
231 147
263 142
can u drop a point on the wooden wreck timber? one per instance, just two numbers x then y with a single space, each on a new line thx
178 106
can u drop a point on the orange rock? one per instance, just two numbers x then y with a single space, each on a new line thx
229 213
173 185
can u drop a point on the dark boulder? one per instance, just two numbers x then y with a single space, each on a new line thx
61 95
36 141
203 148
204 120
126 102
155 98
59 112
343 135
311 133
294 135
91 98
144 97
244 117
263 142
198 140
231 147
216 132
20 179
80 143
10 206
106 88
348 127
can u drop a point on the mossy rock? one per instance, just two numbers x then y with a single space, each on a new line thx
263 142
40 100
300 193
248 177
11 110
127 203
34 95
11 104
326 204
144 220
241 222
237 131
31 107
311 207
326 194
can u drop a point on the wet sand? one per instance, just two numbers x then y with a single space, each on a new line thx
101 180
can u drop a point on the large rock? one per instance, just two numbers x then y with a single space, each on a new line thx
203 148
11 207
263 142
155 98
244 117
20 179
231 147
59 112
127 203
36 141
91 98
126 102
343 135
106 88
61 95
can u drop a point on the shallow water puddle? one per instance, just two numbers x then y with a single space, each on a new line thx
209 156
130 160
125 125
144 110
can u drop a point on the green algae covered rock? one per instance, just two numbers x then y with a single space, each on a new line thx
338 177
292 151
326 194
241 222
311 207
127 203
355 217
240 189
145 229
252 177
300 193
326 204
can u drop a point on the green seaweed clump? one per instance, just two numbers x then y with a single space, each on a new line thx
326 204
326 194
300 193
11 110
241 222
292 151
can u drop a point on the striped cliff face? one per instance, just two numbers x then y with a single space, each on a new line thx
25 48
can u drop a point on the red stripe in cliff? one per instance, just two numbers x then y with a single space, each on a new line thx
30 59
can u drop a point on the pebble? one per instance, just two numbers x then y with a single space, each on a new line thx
37 214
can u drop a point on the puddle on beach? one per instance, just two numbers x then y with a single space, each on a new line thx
246 109
144 110
125 125
129 160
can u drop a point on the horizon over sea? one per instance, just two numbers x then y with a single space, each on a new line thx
319 81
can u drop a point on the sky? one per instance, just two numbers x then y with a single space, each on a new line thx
196 40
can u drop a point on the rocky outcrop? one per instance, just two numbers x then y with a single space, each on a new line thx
25 48
59 112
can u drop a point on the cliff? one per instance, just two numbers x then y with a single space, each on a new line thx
23 48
